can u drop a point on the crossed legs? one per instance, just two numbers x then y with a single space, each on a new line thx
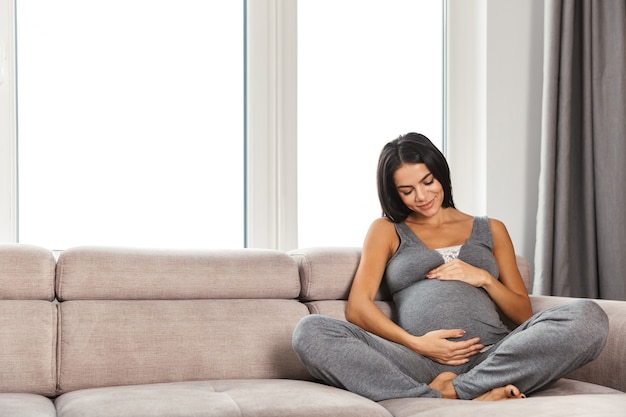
546 347
549 345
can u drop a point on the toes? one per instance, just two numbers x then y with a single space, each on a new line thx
513 392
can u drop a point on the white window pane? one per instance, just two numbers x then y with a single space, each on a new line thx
130 123
368 71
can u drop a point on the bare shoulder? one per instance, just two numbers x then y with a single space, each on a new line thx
381 237
383 225
501 237
498 228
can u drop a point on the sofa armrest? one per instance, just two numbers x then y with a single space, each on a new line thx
609 369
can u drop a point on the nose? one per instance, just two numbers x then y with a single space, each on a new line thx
420 193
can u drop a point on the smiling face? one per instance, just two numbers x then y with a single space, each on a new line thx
418 189
400 163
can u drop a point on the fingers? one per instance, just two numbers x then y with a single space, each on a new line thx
466 349
451 333
470 345
450 352
457 270
462 351
443 270
436 273
456 362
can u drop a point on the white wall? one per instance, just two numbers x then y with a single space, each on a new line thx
494 111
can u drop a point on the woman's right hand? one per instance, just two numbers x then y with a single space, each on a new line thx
436 346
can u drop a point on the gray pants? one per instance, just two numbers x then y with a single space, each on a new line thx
548 346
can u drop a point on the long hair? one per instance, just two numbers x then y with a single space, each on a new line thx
409 148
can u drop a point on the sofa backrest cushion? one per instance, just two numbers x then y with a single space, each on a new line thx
106 343
28 346
327 272
26 272
137 317
101 273
28 320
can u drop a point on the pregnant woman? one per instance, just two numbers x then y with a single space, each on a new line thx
451 275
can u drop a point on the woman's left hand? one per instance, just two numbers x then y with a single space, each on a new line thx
457 270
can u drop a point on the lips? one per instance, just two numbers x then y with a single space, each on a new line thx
427 205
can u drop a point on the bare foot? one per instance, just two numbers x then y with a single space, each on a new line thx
443 384
503 393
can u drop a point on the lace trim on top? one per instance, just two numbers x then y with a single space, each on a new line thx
449 253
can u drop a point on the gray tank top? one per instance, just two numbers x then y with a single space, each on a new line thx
425 304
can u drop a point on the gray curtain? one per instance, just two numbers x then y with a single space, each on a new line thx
581 219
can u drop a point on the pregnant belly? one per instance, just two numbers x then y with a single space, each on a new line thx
434 305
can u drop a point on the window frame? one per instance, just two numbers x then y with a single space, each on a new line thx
8 128
271 125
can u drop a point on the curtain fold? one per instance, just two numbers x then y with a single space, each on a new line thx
581 218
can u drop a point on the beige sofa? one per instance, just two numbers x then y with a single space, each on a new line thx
132 332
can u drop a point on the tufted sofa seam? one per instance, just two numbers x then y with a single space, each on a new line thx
58 350
233 401
304 269
58 281
54 370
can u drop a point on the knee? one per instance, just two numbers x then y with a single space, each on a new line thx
309 329
592 313
594 323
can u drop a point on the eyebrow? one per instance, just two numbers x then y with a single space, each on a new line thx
408 186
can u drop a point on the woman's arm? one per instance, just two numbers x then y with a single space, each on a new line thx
509 292
380 244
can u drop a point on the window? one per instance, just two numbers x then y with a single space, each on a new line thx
130 122
132 116
368 72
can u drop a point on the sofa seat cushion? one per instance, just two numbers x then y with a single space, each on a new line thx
581 405
566 386
565 397
26 405
223 398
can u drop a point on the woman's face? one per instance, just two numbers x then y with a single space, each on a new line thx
418 189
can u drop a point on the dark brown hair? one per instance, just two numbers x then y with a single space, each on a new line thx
409 148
